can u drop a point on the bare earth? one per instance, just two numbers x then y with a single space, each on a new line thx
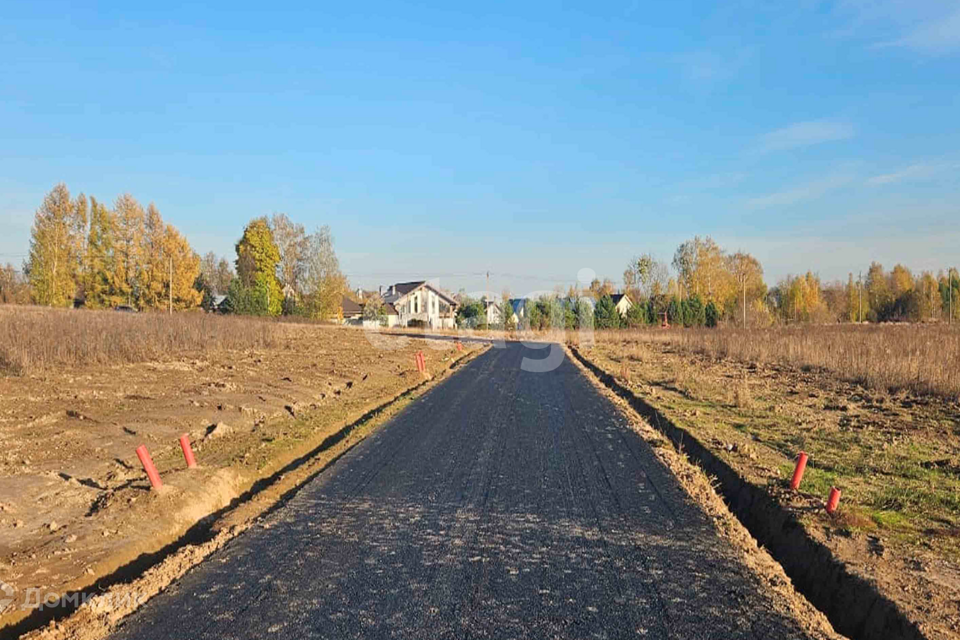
75 502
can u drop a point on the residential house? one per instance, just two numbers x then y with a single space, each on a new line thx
353 313
622 302
519 307
421 302
220 305
492 308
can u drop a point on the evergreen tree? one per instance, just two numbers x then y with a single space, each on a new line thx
585 318
711 315
605 315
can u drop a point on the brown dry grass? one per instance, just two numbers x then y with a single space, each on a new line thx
35 339
924 359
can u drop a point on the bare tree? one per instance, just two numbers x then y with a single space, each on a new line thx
292 241
325 284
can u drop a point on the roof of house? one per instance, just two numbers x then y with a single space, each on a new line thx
389 309
617 297
350 308
219 300
403 288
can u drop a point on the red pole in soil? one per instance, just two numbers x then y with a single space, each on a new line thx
798 472
187 451
459 346
833 501
148 466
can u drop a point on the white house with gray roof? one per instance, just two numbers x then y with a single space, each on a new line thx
423 302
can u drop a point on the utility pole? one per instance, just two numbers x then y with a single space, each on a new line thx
170 286
950 286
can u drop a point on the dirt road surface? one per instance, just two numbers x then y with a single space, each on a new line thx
503 503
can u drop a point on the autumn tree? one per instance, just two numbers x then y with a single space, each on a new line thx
14 287
599 289
183 268
852 300
256 290
702 269
154 278
928 297
324 284
799 299
748 275
99 260
56 240
127 250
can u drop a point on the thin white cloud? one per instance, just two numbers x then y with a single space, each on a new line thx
808 191
936 37
913 172
805 134
926 26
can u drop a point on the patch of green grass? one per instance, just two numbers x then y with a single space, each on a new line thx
893 520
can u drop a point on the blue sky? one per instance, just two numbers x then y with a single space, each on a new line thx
530 139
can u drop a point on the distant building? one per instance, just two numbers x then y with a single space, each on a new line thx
493 312
354 312
519 308
622 302
421 302
351 311
220 305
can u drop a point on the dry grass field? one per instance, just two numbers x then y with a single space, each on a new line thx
874 407
35 339
922 359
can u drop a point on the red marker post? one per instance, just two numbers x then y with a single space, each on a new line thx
459 346
187 451
798 472
833 501
148 466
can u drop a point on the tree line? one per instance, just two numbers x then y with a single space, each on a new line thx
84 253
705 285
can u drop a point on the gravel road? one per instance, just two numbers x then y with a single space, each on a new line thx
502 504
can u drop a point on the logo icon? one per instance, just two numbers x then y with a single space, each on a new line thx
7 592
